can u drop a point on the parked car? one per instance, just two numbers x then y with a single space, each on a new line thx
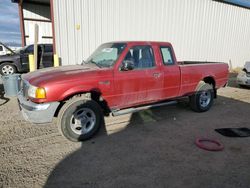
3 49
18 61
118 78
243 78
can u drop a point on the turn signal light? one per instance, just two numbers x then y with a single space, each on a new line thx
40 93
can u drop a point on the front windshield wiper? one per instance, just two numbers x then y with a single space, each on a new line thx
83 62
93 62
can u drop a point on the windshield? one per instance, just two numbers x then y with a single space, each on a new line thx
106 55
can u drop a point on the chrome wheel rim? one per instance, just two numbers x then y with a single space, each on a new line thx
82 121
205 98
7 69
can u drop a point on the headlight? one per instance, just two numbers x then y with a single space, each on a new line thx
242 73
36 92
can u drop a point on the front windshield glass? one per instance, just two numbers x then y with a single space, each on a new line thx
106 55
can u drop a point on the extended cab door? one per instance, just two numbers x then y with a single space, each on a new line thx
171 71
47 56
25 57
142 84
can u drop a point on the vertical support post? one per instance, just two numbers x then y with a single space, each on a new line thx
35 45
56 60
31 63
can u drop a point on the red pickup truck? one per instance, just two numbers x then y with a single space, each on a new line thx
118 78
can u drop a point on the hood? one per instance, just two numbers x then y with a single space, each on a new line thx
9 57
247 66
61 74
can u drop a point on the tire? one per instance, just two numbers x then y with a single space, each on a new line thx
202 100
7 68
79 113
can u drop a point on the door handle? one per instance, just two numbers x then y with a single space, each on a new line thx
156 75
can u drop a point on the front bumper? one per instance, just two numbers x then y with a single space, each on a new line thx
37 113
243 80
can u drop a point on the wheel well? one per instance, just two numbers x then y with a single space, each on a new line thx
95 95
9 62
210 80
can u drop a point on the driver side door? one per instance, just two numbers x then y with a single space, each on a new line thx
140 85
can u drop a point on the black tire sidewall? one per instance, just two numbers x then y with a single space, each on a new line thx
197 98
67 114
2 65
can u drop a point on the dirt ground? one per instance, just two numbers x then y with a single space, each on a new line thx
153 148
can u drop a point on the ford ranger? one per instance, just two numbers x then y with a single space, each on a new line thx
118 78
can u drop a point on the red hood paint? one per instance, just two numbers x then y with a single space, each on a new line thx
62 81
59 74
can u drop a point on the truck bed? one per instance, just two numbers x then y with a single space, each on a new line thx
194 71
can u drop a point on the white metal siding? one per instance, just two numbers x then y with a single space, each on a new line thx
40 12
198 29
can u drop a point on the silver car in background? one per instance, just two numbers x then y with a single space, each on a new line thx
243 78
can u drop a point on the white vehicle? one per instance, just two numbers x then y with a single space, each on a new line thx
243 78
4 50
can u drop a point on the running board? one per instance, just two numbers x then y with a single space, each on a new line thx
137 109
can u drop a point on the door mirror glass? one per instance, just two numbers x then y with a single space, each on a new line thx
127 65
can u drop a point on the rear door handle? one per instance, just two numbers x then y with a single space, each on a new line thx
156 75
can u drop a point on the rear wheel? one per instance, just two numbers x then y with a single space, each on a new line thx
7 68
202 100
80 119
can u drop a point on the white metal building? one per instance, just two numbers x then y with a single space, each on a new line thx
198 29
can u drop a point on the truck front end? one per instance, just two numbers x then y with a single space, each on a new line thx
35 112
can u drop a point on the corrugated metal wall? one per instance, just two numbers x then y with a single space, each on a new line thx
198 29
41 16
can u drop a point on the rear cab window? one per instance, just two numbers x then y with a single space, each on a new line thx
167 56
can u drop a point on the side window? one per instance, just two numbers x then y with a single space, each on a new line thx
30 49
1 48
167 56
142 56
48 48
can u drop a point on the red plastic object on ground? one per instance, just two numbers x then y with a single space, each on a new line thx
217 146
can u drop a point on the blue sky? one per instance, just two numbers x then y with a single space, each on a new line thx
9 23
245 3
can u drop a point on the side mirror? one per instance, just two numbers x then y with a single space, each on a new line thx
127 65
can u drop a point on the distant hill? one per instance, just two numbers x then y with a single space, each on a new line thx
13 44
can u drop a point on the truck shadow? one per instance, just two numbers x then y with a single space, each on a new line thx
5 100
155 149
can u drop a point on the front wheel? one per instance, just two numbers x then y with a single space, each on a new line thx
202 100
7 68
80 119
